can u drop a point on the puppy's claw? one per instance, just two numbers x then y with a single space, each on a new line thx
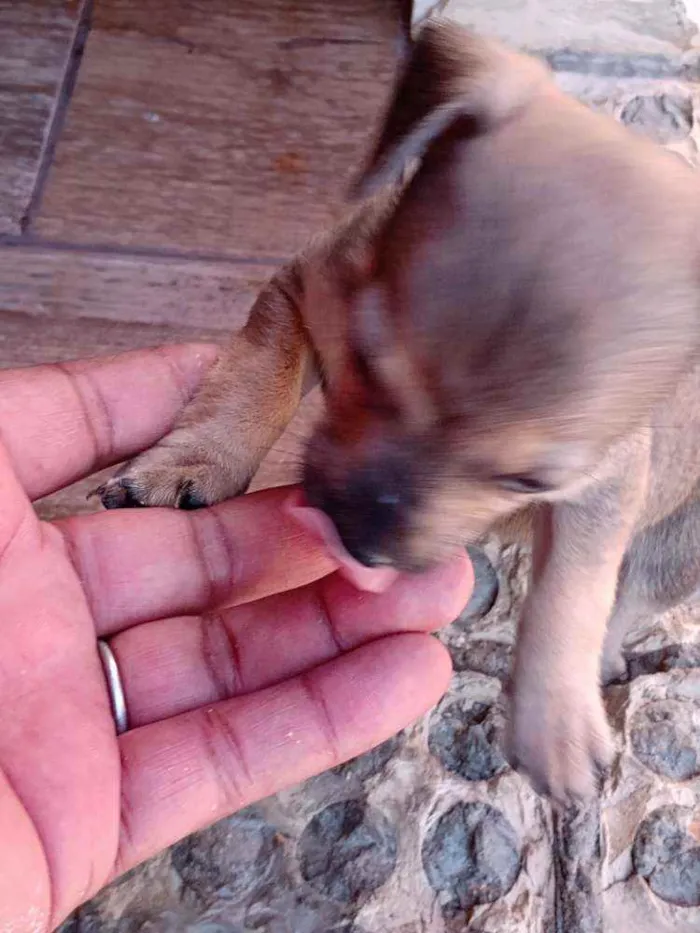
189 499
118 493
123 492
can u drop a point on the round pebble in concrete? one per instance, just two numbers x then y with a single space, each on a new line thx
666 740
485 588
347 851
665 118
236 857
464 737
666 854
471 856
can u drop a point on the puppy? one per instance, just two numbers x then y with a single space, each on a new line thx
508 333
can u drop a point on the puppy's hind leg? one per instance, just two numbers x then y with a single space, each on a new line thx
661 569
628 616
244 405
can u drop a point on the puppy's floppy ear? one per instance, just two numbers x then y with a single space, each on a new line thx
451 76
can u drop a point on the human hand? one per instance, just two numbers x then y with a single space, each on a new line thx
247 664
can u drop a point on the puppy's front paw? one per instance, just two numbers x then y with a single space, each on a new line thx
180 476
560 738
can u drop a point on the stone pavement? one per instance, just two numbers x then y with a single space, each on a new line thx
431 832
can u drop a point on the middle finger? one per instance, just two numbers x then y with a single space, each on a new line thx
178 664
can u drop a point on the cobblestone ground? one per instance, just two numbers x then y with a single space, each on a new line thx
431 832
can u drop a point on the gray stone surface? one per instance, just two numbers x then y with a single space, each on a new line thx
577 856
621 27
651 816
347 851
471 856
466 730
666 854
432 832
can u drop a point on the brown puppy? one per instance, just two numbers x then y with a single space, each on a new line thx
512 331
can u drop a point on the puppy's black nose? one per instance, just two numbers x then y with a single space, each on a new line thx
368 516
368 522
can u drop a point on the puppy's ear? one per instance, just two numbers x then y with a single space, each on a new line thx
451 76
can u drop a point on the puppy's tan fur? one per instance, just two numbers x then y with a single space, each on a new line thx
508 329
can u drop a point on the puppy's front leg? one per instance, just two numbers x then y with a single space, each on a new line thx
252 392
245 403
559 731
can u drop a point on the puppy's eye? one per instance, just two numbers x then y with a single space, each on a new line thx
523 483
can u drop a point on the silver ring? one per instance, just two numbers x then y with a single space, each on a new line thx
114 686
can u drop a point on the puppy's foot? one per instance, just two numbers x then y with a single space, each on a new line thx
188 487
561 740
178 475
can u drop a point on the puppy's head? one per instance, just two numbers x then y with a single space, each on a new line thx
529 298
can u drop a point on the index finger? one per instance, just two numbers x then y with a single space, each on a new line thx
62 421
137 565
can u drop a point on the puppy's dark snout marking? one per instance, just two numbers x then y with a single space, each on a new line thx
367 515
368 519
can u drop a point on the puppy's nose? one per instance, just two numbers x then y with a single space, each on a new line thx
368 526
367 517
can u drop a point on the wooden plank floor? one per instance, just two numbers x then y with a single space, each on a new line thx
36 38
147 289
218 126
159 160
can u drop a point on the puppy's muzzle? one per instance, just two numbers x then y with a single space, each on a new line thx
369 515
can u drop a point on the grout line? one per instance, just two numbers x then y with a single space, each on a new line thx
60 110
107 322
38 245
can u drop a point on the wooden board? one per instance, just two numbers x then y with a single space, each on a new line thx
27 339
229 127
35 39
58 284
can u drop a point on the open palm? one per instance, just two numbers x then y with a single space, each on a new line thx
247 663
